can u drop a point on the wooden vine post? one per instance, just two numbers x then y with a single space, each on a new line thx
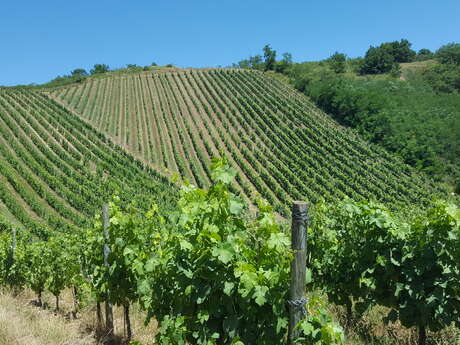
13 240
108 305
297 301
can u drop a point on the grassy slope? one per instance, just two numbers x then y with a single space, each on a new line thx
56 170
282 145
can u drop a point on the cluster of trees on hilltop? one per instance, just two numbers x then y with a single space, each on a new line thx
386 57
267 62
418 119
78 75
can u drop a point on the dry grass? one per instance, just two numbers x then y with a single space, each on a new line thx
23 323
371 330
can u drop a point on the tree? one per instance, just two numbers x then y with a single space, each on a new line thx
269 58
79 72
443 77
284 64
253 62
382 59
424 54
99 68
400 51
449 54
376 61
337 61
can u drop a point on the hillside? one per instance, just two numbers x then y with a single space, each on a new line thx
55 170
282 145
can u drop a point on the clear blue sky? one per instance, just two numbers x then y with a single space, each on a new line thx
43 39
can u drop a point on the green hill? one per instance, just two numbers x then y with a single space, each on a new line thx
56 170
283 147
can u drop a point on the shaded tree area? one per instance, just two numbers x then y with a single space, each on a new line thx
445 76
387 56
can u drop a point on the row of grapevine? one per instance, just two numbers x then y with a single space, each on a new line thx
282 146
56 169
208 272
212 274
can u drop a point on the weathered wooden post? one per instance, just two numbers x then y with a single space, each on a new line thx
108 305
10 262
297 300
13 240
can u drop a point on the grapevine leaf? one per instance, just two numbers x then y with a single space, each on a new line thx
224 252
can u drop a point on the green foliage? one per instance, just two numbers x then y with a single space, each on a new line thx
285 63
376 61
49 161
12 264
116 281
362 252
337 61
411 120
134 68
383 58
449 54
424 54
269 58
318 327
38 256
211 275
395 71
253 62
443 77
400 51
64 268
99 69
218 270
79 72
427 290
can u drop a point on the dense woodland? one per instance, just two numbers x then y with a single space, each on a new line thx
406 101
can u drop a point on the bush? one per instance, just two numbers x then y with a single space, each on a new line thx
382 59
362 251
418 124
99 68
377 61
424 54
269 58
400 51
337 62
79 72
215 276
449 54
444 77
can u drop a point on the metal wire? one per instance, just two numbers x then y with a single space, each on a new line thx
299 303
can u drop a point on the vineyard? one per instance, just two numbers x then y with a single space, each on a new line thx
55 170
283 147
213 275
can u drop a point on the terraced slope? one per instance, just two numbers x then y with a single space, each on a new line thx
282 145
56 170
